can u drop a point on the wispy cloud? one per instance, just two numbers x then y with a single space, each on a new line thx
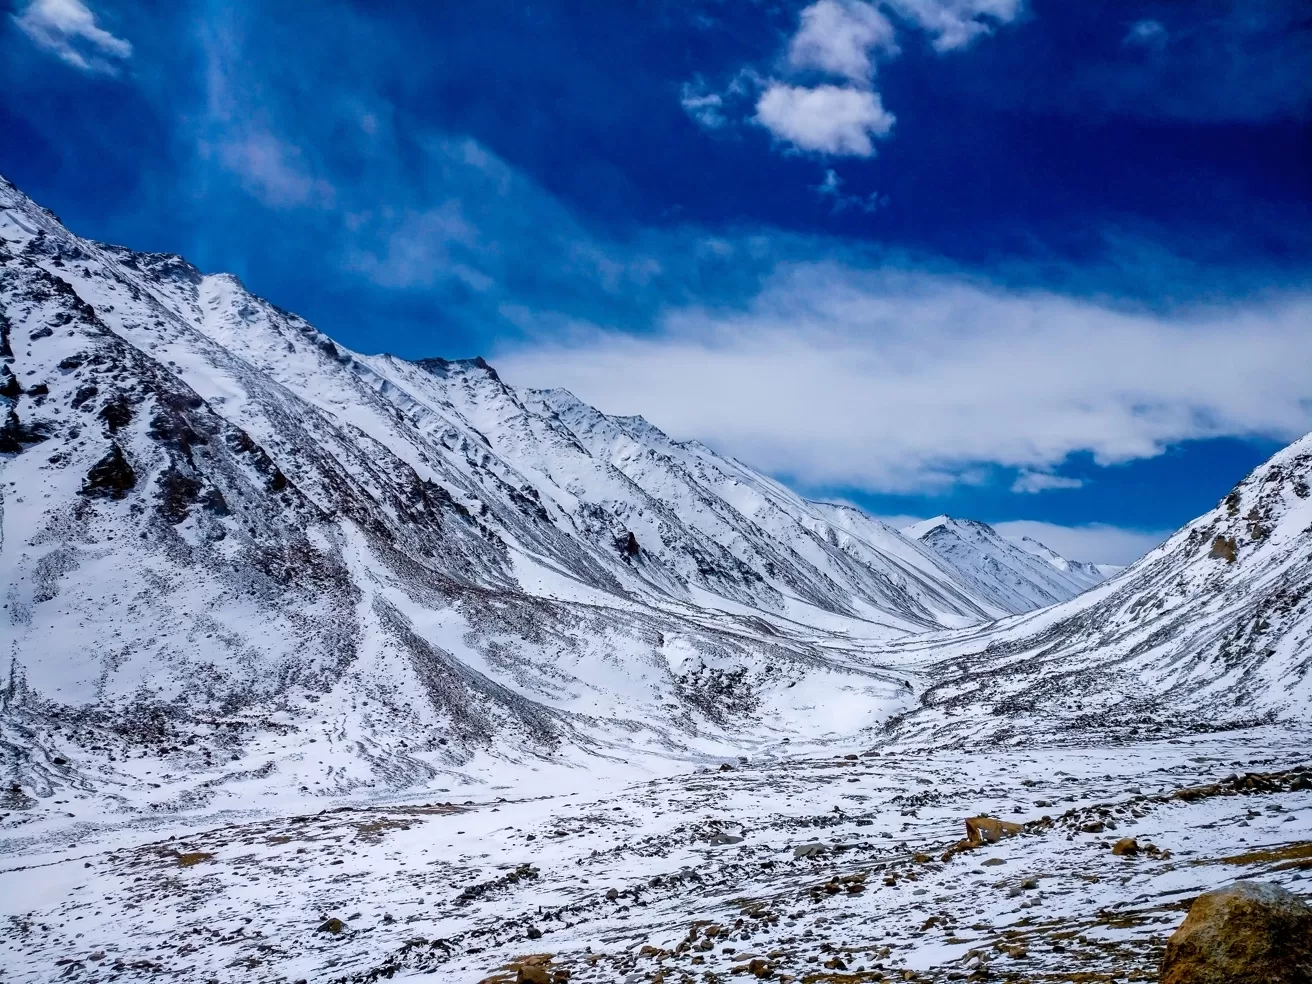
273 169
69 29
704 106
1032 482
1097 543
954 24
899 382
830 188
1148 33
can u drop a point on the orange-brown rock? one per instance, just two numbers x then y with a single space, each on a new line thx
1225 548
982 830
1247 933
986 830
1125 846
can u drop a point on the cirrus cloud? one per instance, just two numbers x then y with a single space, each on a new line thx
68 29
1032 482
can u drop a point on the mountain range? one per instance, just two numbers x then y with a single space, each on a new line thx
237 554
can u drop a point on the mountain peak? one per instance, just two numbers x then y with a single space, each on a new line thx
1016 576
443 367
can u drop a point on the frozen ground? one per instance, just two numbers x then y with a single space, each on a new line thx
687 877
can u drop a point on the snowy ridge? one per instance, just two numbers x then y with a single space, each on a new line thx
1013 576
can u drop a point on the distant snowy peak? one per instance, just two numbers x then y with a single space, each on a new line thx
1016 576
1078 568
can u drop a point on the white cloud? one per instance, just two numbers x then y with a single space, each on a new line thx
1032 481
831 188
838 36
842 38
704 106
956 23
892 381
68 28
273 170
829 118
1096 543
1148 33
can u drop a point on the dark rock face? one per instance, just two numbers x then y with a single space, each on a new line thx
1248 933
1225 548
111 477
14 433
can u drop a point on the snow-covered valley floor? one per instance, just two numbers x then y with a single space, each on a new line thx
690 877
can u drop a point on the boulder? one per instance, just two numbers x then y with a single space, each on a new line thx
720 838
986 830
982 830
1247 933
1125 846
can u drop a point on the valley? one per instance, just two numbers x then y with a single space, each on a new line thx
324 666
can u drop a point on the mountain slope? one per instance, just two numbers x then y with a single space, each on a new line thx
1015 577
1212 629
224 538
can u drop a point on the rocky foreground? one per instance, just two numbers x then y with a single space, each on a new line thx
841 865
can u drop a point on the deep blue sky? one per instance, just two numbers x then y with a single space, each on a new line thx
591 191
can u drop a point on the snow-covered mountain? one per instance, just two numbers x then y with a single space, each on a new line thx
1015 576
234 553
219 525
1210 630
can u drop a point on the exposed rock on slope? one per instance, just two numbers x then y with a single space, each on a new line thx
1247 933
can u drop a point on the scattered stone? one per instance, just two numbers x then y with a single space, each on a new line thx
332 925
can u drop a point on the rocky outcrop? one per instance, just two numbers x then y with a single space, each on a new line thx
1248 933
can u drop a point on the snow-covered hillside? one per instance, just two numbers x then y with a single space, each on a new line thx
225 537
248 574
1015 576
1210 630
236 554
